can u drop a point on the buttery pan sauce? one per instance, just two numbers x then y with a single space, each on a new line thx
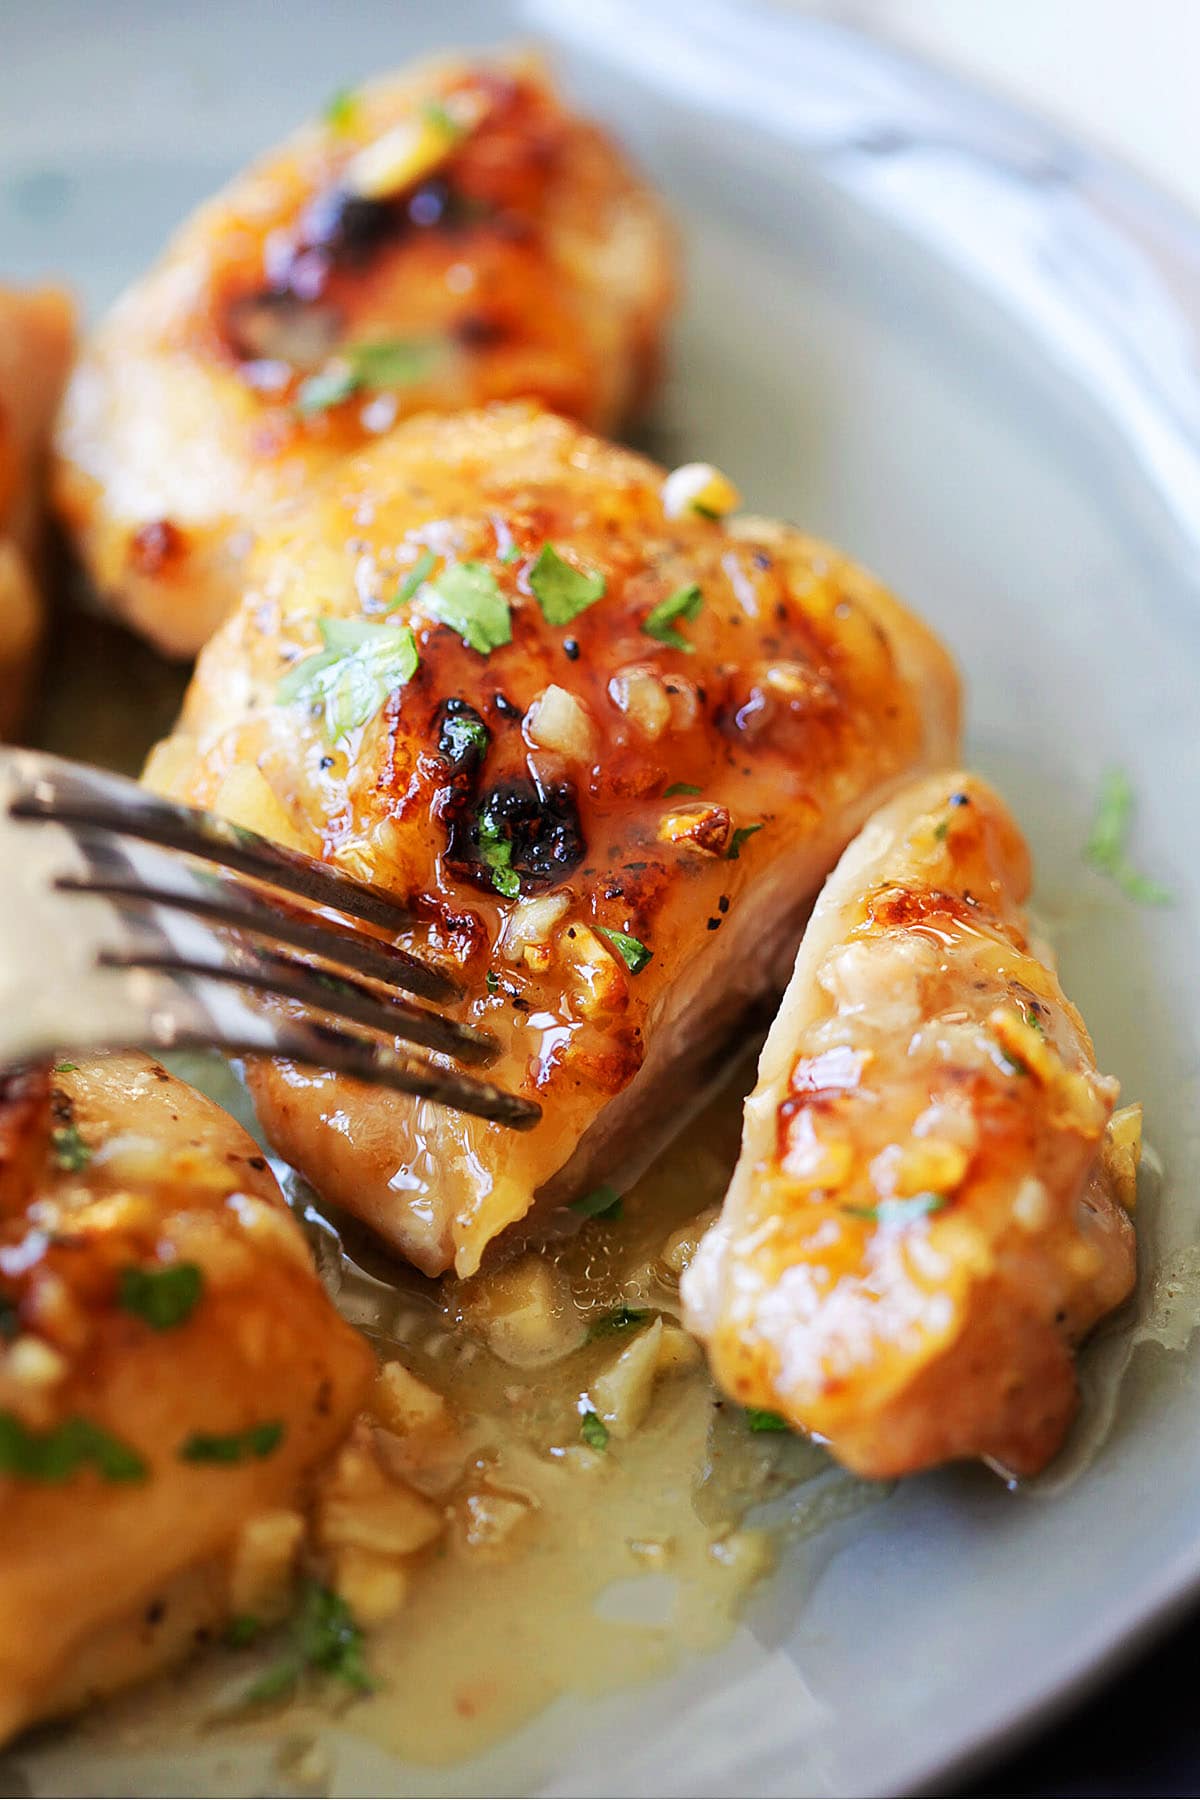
565 1566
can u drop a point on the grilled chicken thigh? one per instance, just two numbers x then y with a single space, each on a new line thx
927 1213
608 745
36 333
443 237
172 1373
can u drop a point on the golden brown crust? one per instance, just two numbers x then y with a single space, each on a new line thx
105 1167
803 694
915 1236
528 261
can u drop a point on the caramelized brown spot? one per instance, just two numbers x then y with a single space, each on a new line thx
154 546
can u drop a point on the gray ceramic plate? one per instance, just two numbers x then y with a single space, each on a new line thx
927 327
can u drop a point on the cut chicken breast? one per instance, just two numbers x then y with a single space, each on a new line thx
927 1214
606 744
445 236
36 336
172 1374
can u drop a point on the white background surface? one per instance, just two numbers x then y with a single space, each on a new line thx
1120 72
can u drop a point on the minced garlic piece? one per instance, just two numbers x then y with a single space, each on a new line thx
402 1403
412 149
373 1587
622 1394
1122 1152
699 488
264 1556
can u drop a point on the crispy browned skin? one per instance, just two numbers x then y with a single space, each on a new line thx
104 1577
528 261
920 1228
36 334
808 693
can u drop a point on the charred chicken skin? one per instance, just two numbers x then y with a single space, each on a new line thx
929 1210
171 1375
444 237
36 335
606 743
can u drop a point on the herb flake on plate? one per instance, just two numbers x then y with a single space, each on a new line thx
561 590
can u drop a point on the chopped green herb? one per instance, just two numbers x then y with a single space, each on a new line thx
374 364
896 1212
759 1419
1107 847
563 591
417 576
164 1298
496 852
68 1148
941 830
621 1318
511 555
234 1447
55 1455
734 852
491 982
681 787
632 951
340 109
65 1068
593 1431
603 1202
322 1635
352 677
242 1630
684 603
466 597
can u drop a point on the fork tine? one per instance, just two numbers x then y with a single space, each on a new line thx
240 910
326 1048
286 977
94 801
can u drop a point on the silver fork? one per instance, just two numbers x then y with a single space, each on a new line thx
127 921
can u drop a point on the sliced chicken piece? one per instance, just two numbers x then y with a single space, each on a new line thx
445 236
610 826
926 1216
37 328
172 1374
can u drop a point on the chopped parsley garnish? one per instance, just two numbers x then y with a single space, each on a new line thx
235 1446
734 852
352 677
896 1212
496 854
758 1418
1107 847
593 1431
491 982
463 737
68 1148
164 1298
941 830
603 1202
417 576
340 109
56 1455
466 597
242 1630
684 603
621 1318
373 364
322 1635
631 950
65 1068
561 590
681 787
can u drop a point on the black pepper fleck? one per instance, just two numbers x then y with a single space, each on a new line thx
723 904
714 924
571 649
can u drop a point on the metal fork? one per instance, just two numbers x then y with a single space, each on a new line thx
129 921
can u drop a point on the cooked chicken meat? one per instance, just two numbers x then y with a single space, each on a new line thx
607 744
171 1374
927 1214
36 333
443 237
